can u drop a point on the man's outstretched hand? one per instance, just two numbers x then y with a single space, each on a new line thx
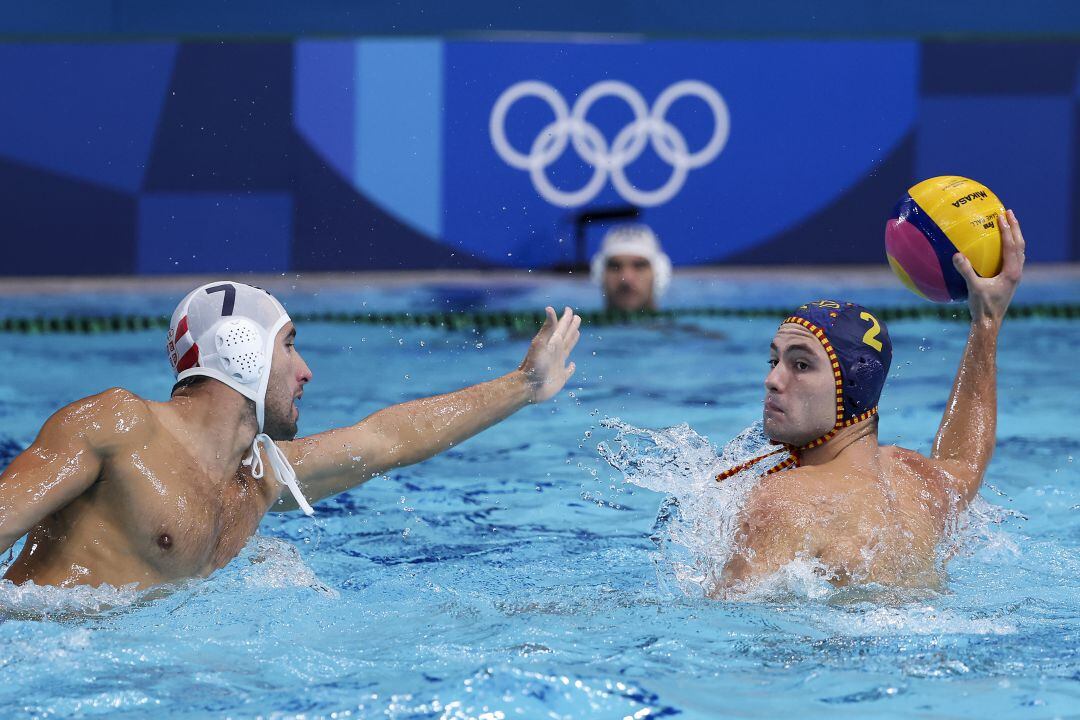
989 298
545 365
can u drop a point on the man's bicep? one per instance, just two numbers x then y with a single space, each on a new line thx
58 467
334 461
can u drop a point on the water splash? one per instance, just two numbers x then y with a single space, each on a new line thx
696 523
267 562
46 602
264 563
979 529
695 527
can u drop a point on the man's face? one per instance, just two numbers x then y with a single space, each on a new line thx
288 375
800 390
628 283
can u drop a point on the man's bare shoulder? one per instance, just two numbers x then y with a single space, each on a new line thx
915 462
904 455
936 477
105 420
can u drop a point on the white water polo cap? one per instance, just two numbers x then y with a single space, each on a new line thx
226 330
639 240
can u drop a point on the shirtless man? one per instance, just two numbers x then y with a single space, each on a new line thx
867 513
117 489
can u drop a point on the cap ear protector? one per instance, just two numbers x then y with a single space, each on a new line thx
240 350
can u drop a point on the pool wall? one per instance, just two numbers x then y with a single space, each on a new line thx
373 153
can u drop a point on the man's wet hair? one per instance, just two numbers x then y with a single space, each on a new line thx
188 382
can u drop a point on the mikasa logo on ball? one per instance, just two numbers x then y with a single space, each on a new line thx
980 195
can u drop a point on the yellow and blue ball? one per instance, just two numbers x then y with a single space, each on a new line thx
936 219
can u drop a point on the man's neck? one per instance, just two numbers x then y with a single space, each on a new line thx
218 424
854 445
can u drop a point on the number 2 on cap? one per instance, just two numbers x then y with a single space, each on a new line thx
870 338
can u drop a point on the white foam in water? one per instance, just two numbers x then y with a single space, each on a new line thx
267 562
43 601
977 530
695 528
915 620
264 562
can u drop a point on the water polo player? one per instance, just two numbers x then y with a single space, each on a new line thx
631 268
117 489
867 513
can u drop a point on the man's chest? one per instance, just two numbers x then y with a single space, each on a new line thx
175 517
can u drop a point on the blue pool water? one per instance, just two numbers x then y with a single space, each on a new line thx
515 577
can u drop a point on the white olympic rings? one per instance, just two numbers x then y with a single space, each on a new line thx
571 127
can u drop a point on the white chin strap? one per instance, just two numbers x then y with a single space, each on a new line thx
278 460
284 471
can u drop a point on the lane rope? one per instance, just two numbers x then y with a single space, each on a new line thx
523 321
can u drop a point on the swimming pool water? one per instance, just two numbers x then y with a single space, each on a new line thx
514 577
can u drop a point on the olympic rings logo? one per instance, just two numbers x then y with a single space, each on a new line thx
571 127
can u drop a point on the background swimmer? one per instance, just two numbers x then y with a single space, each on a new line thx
631 268
865 512
117 489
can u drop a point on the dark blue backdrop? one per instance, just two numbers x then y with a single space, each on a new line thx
376 153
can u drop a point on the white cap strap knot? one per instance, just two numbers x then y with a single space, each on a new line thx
284 471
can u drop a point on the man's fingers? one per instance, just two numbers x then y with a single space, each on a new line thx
1018 234
963 266
570 370
1011 254
572 340
564 323
549 321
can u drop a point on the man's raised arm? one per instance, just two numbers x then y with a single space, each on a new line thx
965 441
334 461
64 460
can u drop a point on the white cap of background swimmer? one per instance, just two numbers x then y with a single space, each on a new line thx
634 239
226 331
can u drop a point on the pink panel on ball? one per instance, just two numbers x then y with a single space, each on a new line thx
912 251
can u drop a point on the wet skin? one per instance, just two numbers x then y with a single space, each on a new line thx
869 513
117 489
152 515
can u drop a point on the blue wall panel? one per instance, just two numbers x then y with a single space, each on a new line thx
197 233
808 120
227 123
1022 148
324 92
124 19
88 111
52 224
378 154
399 129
